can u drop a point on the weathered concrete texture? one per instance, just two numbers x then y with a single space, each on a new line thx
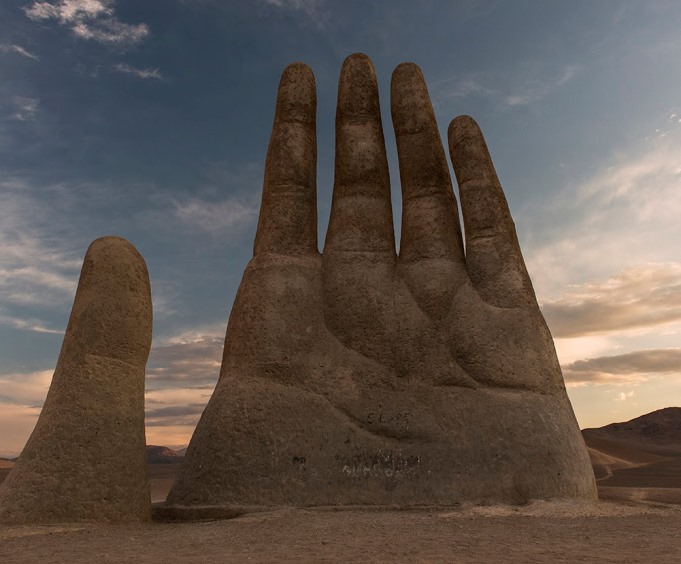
360 376
86 458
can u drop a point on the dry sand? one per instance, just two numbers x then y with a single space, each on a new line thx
539 532
161 477
630 524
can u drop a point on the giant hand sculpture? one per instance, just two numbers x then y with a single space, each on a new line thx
360 376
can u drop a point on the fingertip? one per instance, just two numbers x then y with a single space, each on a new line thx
357 89
106 241
112 248
407 83
406 72
469 152
357 59
297 71
358 68
297 94
462 126
410 104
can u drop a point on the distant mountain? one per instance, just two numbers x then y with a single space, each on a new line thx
162 455
643 452
662 426
178 448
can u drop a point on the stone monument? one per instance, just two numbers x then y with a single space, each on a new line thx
86 458
360 376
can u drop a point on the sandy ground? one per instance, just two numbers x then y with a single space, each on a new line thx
161 478
540 532
630 524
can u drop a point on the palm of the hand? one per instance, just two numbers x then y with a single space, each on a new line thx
360 376
467 342
503 347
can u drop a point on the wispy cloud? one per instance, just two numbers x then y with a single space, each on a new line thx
175 411
139 73
603 256
537 89
19 50
459 88
28 388
29 324
25 109
571 349
89 19
650 180
21 398
314 10
174 415
69 10
624 213
628 368
209 211
503 88
181 374
193 361
35 268
25 274
216 217
639 297
17 423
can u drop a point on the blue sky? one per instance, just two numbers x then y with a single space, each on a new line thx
150 120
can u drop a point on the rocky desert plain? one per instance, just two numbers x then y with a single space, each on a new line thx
638 519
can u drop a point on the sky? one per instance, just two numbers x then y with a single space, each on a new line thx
150 120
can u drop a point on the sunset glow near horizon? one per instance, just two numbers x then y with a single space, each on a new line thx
151 121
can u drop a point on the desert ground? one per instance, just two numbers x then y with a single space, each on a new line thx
638 471
539 532
630 524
